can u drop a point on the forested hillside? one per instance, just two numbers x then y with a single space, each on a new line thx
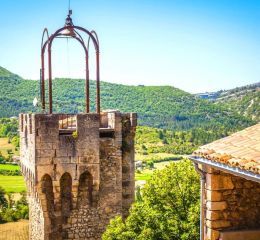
243 100
160 107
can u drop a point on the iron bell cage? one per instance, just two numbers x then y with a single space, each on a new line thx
75 32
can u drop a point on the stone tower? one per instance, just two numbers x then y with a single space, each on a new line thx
79 171
79 168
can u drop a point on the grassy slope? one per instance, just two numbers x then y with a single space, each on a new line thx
12 184
9 167
147 173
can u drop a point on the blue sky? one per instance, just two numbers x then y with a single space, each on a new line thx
195 45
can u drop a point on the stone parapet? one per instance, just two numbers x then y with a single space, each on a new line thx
79 171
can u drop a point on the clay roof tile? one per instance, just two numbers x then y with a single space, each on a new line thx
241 149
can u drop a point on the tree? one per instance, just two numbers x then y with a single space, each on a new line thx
2 159
169 209
3 201
150 164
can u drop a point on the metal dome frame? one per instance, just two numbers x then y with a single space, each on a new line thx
72 32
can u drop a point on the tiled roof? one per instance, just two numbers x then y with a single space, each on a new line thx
241 149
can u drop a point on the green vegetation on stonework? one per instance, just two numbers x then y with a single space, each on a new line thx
12 184
166 208
159 107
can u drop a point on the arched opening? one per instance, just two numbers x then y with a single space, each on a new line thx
85 190
66 196
47 190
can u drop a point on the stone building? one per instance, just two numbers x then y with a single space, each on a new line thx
79 171
230 189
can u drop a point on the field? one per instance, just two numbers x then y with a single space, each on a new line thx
12 184
144 175
14 231
4 146
147 173
9 167
155 156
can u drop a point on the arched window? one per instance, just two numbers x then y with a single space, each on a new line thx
85 189
47 190
66 196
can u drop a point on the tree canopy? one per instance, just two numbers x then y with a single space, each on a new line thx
168 208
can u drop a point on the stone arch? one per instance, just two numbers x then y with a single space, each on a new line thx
66 196
85 190
52 226
47 190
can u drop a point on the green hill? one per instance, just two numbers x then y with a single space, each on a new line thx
160 107
243 100
5 74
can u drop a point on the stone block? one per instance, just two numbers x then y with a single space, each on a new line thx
45 153
218 224
44 146
44 160
212 234
60 160
215 206
213 195
61 152
213 215
218 182
248 184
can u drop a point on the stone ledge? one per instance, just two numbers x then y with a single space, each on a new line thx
217 205
218 224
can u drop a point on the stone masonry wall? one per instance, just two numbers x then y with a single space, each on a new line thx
128 165
77 182
232 203
36 227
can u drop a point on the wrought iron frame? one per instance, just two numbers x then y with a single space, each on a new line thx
74 34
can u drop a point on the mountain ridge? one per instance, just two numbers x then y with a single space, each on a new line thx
157 106
244 100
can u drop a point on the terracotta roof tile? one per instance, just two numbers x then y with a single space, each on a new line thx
241 149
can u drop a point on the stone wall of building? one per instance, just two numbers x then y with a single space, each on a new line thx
82 178
36 227
128 164
232 203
